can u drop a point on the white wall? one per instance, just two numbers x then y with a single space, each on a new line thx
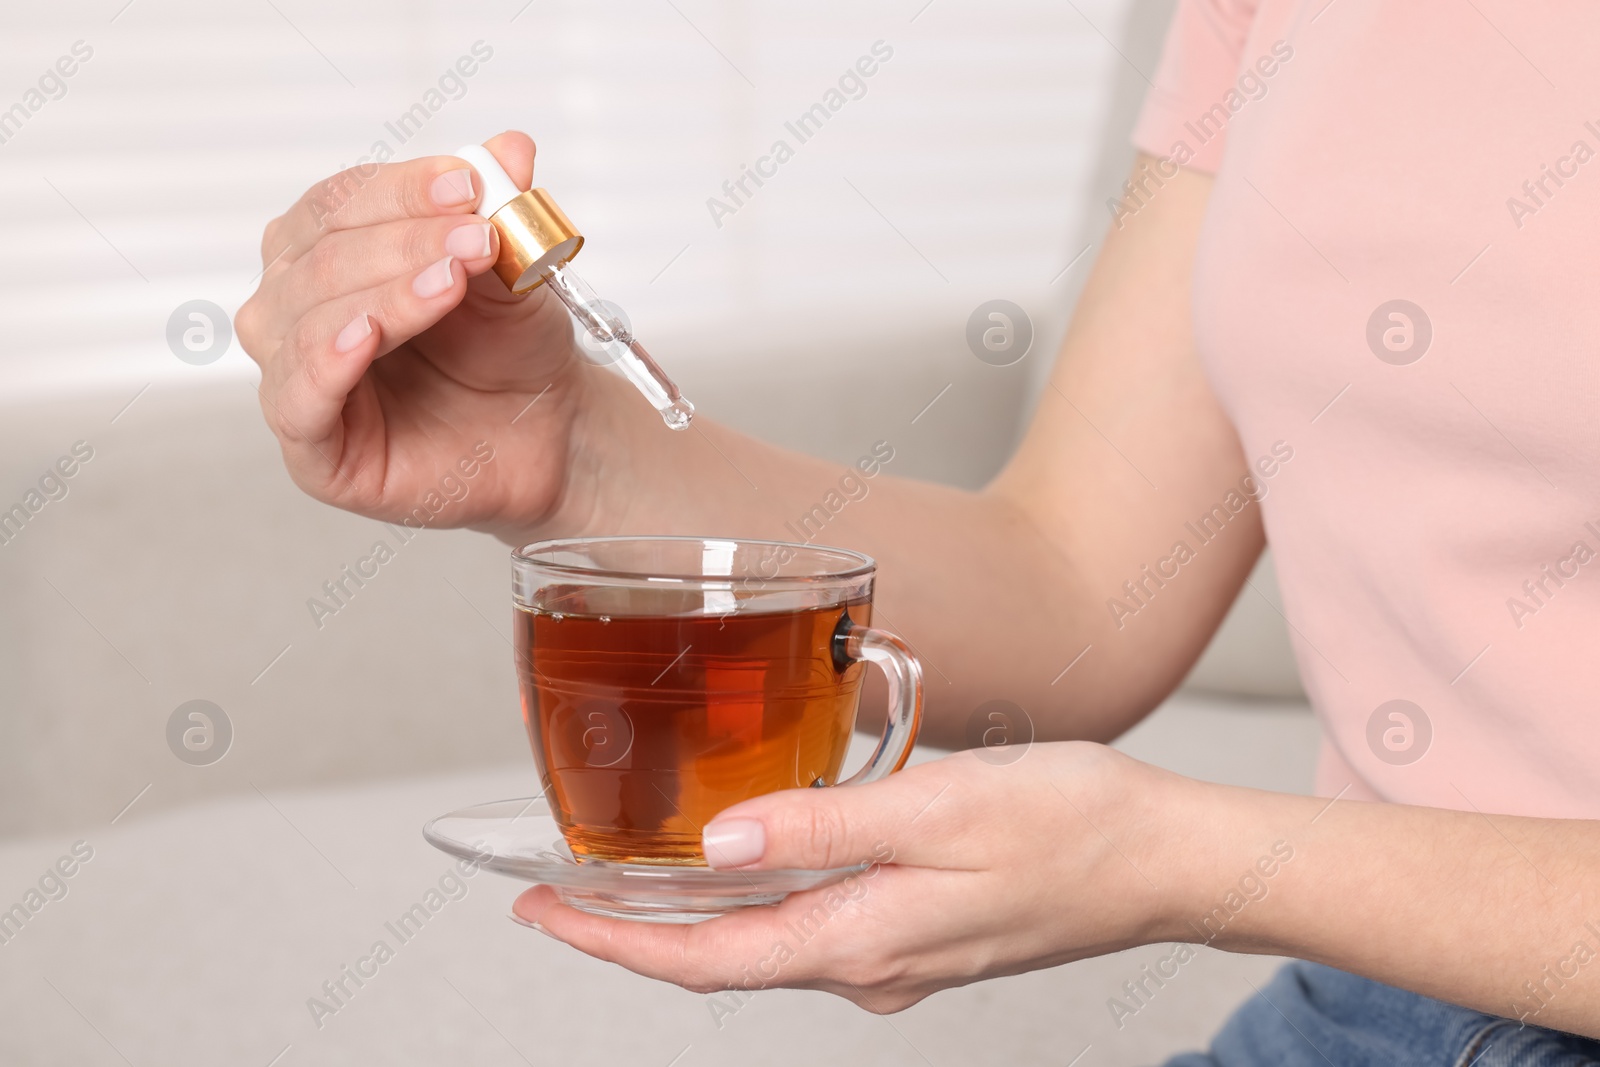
968 170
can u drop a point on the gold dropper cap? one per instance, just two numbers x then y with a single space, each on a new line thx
535 234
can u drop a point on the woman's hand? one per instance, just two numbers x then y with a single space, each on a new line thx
388 353
982 870
1076 850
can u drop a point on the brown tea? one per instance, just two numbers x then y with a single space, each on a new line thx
645 727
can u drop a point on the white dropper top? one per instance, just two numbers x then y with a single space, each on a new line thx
498 188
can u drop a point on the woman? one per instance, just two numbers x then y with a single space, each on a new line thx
1346 302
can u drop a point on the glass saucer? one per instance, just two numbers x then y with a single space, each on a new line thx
520 838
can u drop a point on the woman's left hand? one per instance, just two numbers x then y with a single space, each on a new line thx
980 869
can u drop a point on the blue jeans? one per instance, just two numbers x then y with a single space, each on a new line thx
1314 1016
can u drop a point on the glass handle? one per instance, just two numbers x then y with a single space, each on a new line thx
904 674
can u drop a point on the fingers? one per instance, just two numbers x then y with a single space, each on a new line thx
351 261
832 938
370 194
655 950
722 953
314 254
373 193
327 351
816 829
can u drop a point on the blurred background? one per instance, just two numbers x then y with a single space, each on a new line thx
828 310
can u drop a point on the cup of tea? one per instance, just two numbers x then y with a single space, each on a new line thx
664 679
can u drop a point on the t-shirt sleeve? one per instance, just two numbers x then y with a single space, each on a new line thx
1199 65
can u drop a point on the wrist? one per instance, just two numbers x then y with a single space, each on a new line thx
1231 854
1181 834
1181 837
583 456
1162 830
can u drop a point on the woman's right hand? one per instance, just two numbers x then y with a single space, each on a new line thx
390 354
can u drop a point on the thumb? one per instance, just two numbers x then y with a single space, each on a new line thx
814 829
514 150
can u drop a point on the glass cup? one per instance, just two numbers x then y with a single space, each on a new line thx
664 679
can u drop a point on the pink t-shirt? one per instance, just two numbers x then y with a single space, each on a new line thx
1398 278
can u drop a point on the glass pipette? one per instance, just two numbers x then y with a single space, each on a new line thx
615 339
537 243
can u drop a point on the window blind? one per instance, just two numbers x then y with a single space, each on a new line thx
962 168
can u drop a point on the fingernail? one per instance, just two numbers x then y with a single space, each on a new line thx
435 280
359 330
734 842
530 924
453 187
469 242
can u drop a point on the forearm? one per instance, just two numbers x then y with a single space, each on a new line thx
1000 602
1493 912
956 568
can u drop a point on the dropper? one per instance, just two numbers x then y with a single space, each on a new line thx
537 243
